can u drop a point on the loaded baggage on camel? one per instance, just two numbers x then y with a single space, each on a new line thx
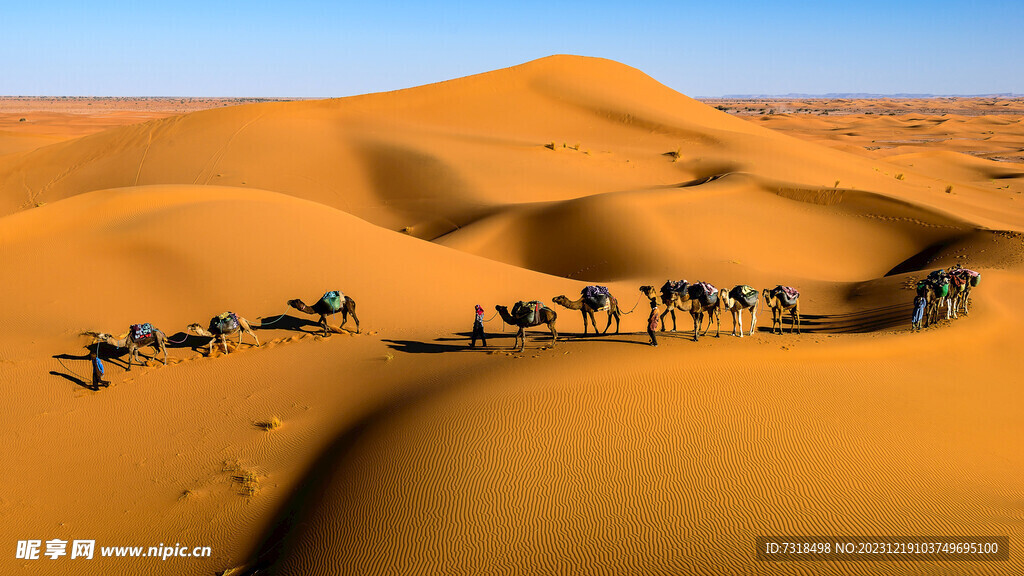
597 297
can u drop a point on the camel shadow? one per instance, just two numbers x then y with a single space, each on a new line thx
858 322
288 322
186 340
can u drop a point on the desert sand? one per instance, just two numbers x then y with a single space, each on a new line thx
400 449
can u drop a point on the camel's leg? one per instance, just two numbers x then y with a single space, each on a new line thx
583 312
253 334
668 309
522 334
696 325
224 341
753 320
324 325
618 317
351 309
737 320
718 323
796 315
554 334
131 353
609 324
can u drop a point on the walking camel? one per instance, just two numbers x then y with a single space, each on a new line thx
673 296
139 335
527 315
595 303
327 305
780 299
737 300
223 326
704 299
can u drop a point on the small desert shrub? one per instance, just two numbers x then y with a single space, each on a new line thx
836 185
406 230
21 119
949 189
550 145
899 176
268 425
389 357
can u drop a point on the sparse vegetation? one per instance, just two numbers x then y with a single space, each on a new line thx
273 424
550 145
836 185
899 176
389 357
21 119
406 230
949 189
248 481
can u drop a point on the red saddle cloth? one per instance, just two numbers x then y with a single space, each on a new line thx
790 292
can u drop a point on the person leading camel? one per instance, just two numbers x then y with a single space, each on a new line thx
478 327
653 322
920 303
97 371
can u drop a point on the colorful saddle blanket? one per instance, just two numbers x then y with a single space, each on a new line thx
786 294
705 292
226 323
744 294
597 297
333 300
528 312
140 331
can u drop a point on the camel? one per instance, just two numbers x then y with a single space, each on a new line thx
960 289
939 283
673 299
737 300
327 305
586 308
700 303
779 302
541 315
137 337
223 326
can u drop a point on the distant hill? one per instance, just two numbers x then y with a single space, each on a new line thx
862 95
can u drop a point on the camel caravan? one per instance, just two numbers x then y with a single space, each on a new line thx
947 289
943 288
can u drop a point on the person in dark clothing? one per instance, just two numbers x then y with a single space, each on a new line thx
478 327
97 371
653 323
919 305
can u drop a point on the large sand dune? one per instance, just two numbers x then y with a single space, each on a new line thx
402 450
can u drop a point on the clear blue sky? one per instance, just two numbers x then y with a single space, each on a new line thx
309 48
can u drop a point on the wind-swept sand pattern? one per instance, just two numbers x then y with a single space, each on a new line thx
402 450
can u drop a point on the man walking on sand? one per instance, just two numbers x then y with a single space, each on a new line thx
919 305
478 327
97 371
653 323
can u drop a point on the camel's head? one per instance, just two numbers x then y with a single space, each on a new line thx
501 308
295 303
194 327
647 291
561 300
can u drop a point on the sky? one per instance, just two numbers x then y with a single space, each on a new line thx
306 48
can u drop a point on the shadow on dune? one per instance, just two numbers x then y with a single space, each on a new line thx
283 533
860 322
